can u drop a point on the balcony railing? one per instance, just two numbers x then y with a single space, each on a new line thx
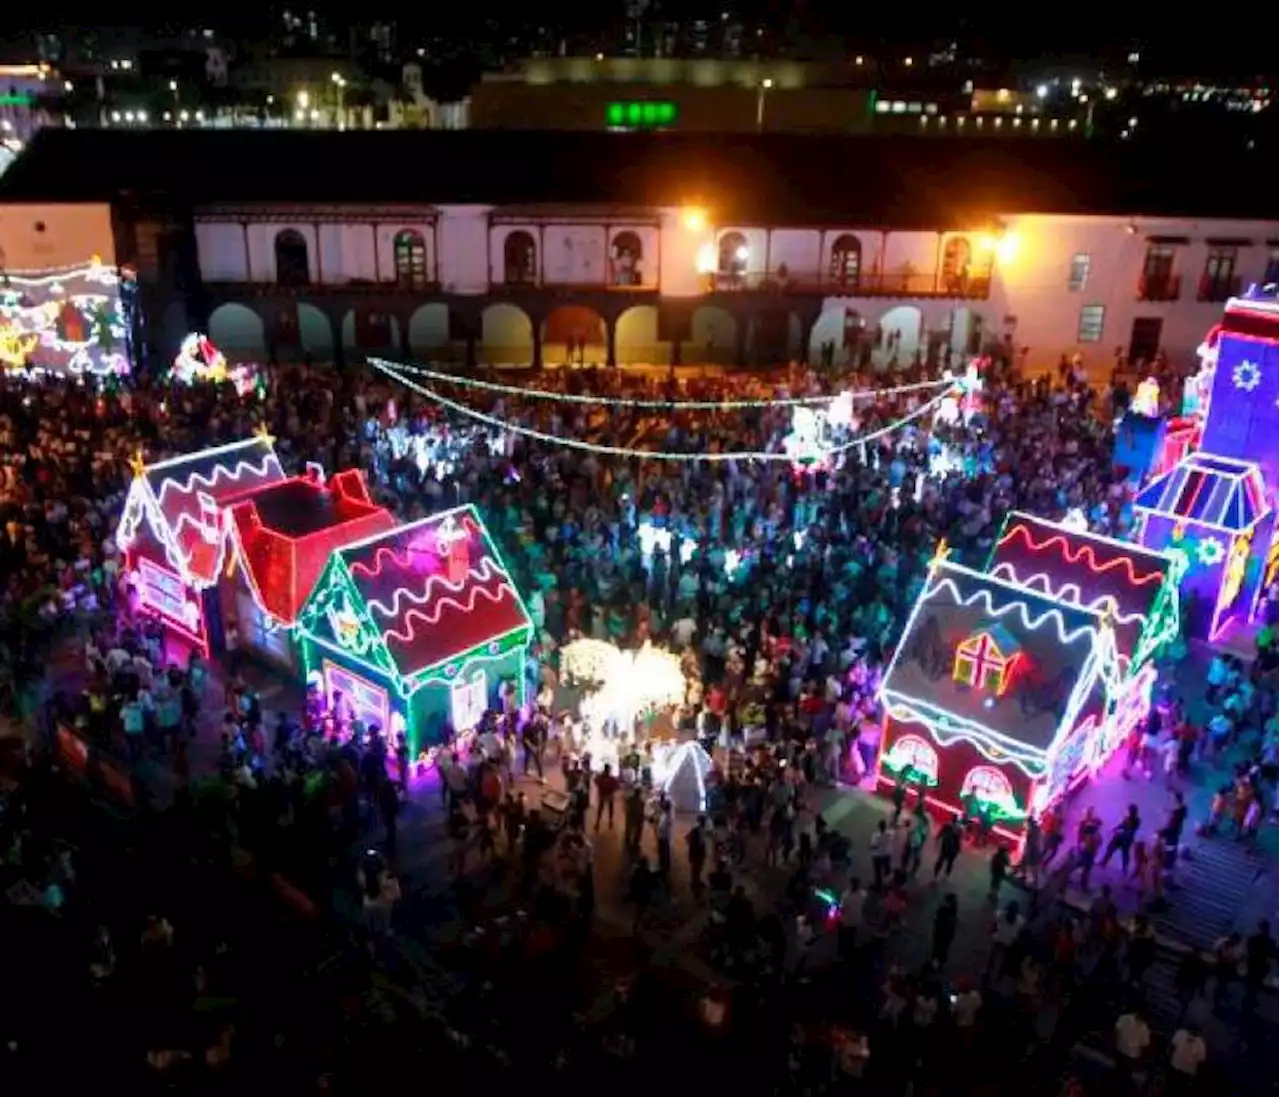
358 287
1159 287
559 286
906 283
1217 289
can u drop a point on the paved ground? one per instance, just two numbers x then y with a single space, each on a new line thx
1218 889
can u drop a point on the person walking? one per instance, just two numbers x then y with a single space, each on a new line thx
949 839
881 854
945 923
1123 835
696 841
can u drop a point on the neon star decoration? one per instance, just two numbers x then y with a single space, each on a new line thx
1246 376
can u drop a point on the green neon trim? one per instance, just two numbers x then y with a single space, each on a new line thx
640 113
908 773
479 654
507 642
16 100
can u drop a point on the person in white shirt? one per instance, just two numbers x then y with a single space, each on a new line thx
1189 1051
852 904
1133 1037
965 1006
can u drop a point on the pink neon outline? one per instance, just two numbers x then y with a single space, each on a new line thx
201 639
482 576
399 557
1072 555
474 595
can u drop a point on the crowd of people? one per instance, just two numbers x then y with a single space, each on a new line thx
794 593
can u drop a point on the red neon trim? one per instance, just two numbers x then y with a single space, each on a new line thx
200 639
398 556
1073 555
1257 327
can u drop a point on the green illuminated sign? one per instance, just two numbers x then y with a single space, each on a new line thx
640 115
16 100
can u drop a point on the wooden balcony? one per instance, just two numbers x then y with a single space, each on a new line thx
904 283
1163 287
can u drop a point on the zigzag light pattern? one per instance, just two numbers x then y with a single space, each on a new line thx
399 557
1071 555
1032 624
1067 592
486 571
430 619
262 470
947 730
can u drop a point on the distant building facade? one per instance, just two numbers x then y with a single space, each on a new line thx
619 280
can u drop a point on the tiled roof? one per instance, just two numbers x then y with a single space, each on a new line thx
1216 491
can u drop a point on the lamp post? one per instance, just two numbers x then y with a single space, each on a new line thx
765 85
341 85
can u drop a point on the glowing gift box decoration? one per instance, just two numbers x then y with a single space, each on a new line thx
282 536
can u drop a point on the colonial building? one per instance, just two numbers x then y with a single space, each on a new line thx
519 248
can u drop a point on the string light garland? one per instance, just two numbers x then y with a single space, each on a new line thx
667 405
644 454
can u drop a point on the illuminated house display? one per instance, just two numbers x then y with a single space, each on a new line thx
1207 512
172 531
282 535
997 693
417 627
1217 506
1135 586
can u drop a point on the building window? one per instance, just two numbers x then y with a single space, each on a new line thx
957 256
1089 328
1271 274
293 263
1159 282
846 260
1078 275
627 253
468 701
410 251
733 255
519 258
1219 281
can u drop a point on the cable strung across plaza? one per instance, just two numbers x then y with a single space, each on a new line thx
663 405
653 455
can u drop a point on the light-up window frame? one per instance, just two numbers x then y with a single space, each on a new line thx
370 702
152 578
468 700
981 655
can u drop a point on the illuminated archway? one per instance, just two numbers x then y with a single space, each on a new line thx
574 334
236 328
506 336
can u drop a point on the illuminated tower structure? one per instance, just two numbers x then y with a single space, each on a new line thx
1218 505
